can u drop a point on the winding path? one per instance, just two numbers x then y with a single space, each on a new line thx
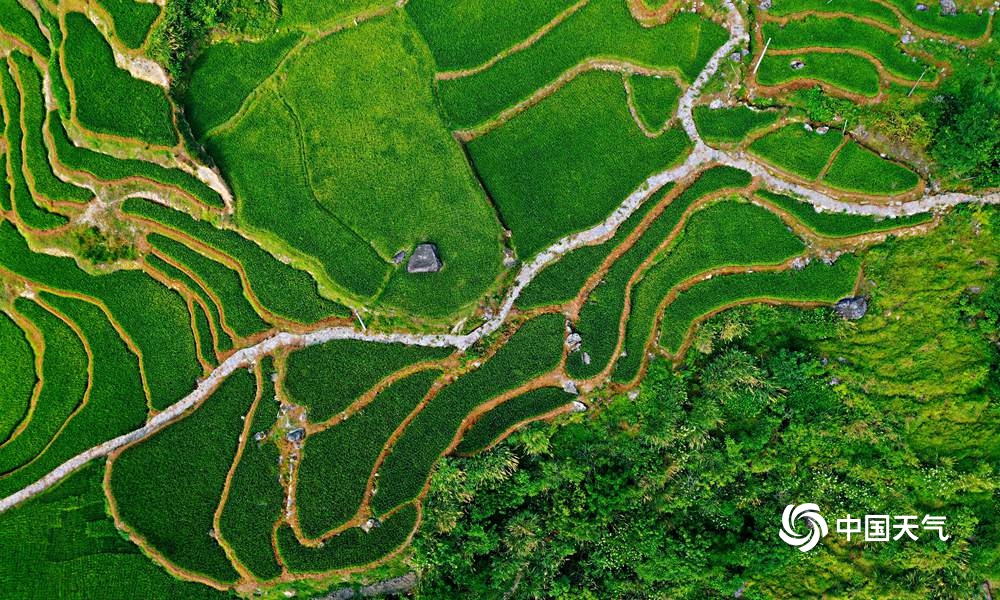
701 156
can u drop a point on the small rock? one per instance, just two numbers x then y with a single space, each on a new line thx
797 64
569 386
296 435
509 259
975 289
260 436
736 57
908 38
948 8
764 5
822 130
633 394
578 406
424 259
399 257
922 7
807 127
370 524
586 358
715 104
835 381
573 341
852 308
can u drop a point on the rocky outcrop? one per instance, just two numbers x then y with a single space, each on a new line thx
424 259
852 308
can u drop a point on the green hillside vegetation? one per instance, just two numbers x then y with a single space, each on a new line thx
858 169
731 125
17 363
132 19
575 156
796 150
172 506
833 224
494 423
655 99
846 72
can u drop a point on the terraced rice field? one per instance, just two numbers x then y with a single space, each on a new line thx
207 281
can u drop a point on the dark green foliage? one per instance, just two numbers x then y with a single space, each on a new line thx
18 367
351 548
566 163
724 234
108 99
466 34
562 280
731 125
326 379
132 19
167 488
64 545
337 463
64 372
832 224
226 73
602 29
817 282
154 317
116 403
535 349
222 281
494 423
255 495
599 317
103 247
107 168
281 288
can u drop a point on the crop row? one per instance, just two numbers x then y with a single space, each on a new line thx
848 72
256 497
132 20
830 224
328 378
601 313
602 29
155 317
337 462
116 402
731 125
724 234
17 365
21 24
168 487
534 349
351 548
494 423
817 282
566 163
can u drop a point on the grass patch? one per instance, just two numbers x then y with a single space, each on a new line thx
793 149
731 125
466 34
352 548
17 363
858 169
601 313
655 99
817 282
725 234
494 423
256 497
562 280
309 14
831 224
154 317
115 406
225 74
566 163
225 283
967 24
171 502
336 463
861 8
132 19
602 29
108 99
534 350
64 372
283 289
844 71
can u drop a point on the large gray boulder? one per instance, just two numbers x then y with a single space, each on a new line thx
852 308
948 8
424 259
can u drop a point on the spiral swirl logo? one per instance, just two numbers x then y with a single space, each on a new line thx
817 526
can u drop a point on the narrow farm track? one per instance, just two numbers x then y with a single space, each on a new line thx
700 157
